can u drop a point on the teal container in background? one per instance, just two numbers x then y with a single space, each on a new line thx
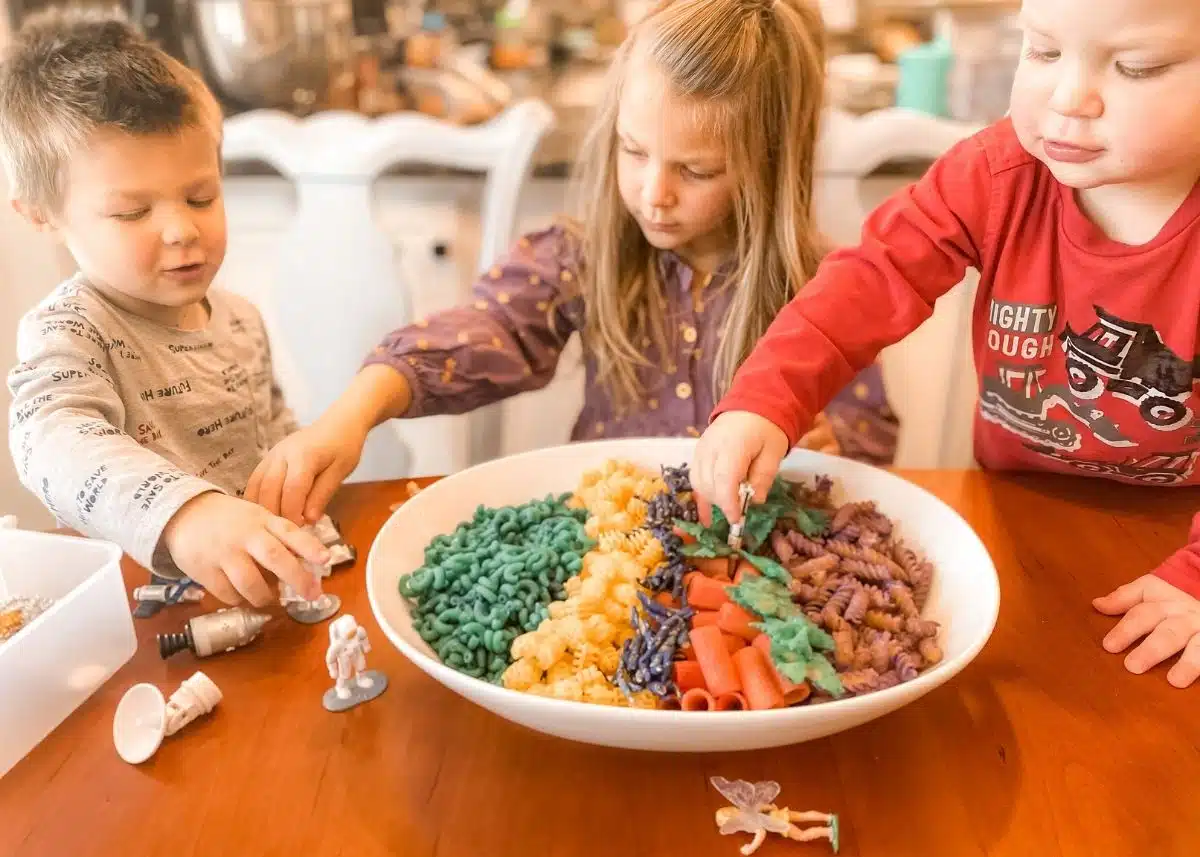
924 78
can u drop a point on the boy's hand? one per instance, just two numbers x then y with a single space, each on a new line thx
1166 616
299 476
737 447
224 543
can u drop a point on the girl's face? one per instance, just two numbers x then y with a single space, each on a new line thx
672 170
1108 91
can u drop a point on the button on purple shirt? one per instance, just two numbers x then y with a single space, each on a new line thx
508 341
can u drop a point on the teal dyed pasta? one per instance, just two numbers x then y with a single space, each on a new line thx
492 579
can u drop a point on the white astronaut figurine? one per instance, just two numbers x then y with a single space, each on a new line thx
309 612
347 663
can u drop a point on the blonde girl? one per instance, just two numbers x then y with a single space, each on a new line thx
697 227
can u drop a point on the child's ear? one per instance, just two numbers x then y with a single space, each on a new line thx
32 213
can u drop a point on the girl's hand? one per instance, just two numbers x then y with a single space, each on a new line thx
299 476
820 438
739 446
1166 616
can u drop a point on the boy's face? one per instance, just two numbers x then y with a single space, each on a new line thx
144 218
1108 91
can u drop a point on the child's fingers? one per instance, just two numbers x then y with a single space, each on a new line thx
1187 670
271 552
247 579
322 490
1137 623
1167 639
270 488
762 473
218 586
728 471
1121 599
300 542
704 509
297 483
255 482
701 483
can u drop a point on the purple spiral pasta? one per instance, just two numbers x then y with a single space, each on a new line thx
805 546
906 664
874 572
857 608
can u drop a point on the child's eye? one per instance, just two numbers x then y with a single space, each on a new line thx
202 203
1032 53
1140 72
129 216
697 174
632 151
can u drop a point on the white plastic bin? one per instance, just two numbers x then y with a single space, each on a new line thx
49 667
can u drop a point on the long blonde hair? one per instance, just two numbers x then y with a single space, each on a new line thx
760 64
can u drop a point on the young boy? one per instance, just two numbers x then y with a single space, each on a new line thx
143 398
1081 212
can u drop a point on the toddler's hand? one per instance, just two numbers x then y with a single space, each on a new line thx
1166 616
224 543
737 446
299 476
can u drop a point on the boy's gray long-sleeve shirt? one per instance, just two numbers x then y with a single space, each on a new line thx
117 421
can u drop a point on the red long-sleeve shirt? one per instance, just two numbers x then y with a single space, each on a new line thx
1086 348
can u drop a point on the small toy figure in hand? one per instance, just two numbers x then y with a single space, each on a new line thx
754 812
347 662
303 610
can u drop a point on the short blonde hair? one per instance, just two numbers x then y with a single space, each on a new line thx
75 69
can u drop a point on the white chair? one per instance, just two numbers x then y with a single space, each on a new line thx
335 291
934 402
929 375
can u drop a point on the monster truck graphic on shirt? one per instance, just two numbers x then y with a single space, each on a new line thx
1159 468
1016 400
1130 360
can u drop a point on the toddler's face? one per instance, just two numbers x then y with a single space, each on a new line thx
672 169
1108 91
144 217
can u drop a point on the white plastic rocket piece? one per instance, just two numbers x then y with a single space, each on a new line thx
143 718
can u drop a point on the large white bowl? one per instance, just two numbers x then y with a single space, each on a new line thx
965 597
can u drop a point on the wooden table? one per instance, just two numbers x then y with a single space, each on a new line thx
1043 746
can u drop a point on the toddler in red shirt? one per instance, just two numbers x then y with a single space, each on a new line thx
1081 212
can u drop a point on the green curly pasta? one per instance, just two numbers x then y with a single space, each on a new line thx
491 580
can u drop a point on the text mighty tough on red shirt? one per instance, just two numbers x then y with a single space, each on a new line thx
1086 348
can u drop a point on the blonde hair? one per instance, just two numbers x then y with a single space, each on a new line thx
74 69
759 67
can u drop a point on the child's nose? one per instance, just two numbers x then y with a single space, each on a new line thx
180 230
1076 95
657 191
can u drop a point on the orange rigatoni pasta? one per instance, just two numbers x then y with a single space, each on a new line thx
730 702
704 617
688 675
732 619
744 569
733 643
697 699
714 567
720 676
706 593
759 684
792 692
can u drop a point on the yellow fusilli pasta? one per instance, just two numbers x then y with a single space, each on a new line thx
570 653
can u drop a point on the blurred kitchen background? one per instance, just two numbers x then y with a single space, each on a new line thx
465 60
321 232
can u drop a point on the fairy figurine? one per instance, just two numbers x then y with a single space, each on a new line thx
754 811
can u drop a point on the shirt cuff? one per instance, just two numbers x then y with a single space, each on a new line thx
1182 570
